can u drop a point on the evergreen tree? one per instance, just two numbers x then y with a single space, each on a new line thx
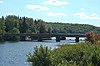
42 28
24 25
2 28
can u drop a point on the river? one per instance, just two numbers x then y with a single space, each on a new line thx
14 53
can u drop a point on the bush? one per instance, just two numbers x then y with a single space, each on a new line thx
83 54
40 57
93 37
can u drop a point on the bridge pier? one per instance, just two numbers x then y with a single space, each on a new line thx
77 39
57 38
33 38
22 38
40 39
62 38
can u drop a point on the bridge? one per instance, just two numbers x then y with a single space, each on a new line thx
44 36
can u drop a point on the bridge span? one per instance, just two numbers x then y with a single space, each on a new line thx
44 36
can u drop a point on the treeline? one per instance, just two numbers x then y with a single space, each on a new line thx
72 28
20 25
12 24
15 24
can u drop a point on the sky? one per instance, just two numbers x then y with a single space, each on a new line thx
65 11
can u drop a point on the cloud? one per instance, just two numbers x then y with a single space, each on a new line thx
55 2
38 7
10 14
82 9
63 7
28 16
92 16
56 14
1 2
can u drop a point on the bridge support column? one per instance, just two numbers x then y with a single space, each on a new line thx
57 38
62 38
32 38
39 39
77 39
22 38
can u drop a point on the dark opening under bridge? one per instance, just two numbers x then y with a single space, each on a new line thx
44 36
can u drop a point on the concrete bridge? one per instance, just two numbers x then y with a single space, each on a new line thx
44 36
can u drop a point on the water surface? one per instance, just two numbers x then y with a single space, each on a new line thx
14 53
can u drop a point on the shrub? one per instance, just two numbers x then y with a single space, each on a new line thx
40 57
82 54
93 37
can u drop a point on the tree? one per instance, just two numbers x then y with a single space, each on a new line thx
40 26
40 57
2 28
11 22
13 38
30 24
23 26
2 25
49 30
91 37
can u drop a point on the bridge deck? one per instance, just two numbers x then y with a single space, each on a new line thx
46 35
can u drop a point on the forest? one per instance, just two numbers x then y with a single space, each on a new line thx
12 24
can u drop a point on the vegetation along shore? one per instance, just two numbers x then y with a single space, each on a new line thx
80 54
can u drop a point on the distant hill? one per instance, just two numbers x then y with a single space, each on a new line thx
71 28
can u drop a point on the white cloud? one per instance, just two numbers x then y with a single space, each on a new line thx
92 16
82 9
28 16
10 14
55 2
1 2
63 7
38 7
56 14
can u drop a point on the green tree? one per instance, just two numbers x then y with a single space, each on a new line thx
49 30
11 22
40 57
40 26
13 38
30 23
24 25
2 28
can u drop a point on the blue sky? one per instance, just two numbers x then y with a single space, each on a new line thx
67 11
